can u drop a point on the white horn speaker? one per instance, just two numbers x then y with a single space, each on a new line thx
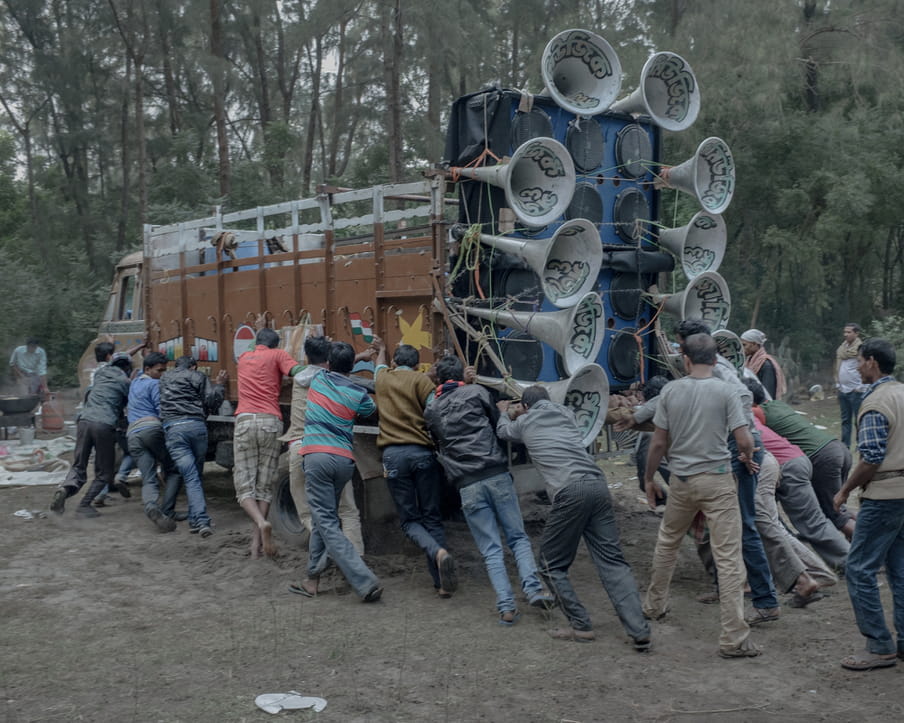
574 333
538 180
568 264
699 245
729 345
705 298
581 71
586 393
668 93
708 175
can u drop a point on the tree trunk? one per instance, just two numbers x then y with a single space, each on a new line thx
169 81
316 64
224 174
392 58
125 161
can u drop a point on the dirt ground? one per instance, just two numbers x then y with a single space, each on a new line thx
109 620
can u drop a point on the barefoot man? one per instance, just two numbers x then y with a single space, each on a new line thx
258 424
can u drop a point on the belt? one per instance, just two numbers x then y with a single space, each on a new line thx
889 474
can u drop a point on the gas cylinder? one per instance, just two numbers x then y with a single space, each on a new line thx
51 415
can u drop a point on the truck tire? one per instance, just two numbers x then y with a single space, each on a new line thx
283 515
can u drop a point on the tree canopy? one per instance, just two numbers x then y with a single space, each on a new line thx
116 113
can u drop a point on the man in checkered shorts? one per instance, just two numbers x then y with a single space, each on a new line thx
258 424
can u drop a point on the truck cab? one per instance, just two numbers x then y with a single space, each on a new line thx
123 321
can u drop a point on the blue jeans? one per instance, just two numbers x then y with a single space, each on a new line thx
759 577
325 475
878 539
413 477
484 504
186 442
850 405
147 446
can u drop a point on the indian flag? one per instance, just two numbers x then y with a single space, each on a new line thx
361 327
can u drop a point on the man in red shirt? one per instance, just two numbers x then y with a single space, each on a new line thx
258 424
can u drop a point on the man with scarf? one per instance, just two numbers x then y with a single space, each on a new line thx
847 380
764 365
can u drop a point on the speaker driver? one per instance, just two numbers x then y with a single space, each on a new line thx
584 141
625 296
631 206
585 203
522 354
624 356
633 151
521 285
534 124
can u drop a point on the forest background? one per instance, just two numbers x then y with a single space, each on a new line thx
117 113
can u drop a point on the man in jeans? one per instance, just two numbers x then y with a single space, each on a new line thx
147 444
694 415
317 352
96 430
258 422
847 380
879 535
334 401
187 397
412 474
462 420
581 507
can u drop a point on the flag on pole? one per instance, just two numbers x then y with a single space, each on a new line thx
360 327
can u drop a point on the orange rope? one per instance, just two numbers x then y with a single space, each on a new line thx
478 161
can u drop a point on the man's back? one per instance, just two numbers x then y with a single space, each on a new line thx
462 420
698 414
107 397
260 374
187 393
402 394
333 402
782 419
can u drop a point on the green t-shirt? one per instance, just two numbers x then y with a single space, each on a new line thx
783 420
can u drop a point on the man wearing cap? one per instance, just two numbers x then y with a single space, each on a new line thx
847 380
764 365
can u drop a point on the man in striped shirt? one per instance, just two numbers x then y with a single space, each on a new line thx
333 403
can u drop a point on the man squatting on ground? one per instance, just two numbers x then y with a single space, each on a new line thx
581 507
694 415
147 443
187 397
412 473
28 366
333 401
258 422
462 420
316 351
879 534
96 430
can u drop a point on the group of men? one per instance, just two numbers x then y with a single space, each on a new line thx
730 453
166 430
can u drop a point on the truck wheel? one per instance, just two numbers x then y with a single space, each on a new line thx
283 515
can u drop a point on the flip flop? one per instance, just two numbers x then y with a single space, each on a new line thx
869 661
276 702
299 589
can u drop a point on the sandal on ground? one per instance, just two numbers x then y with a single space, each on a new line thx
642 645
866 660
443 594
509 617
300 588
708 598
578 636
762 615
744 650
375 593
801 601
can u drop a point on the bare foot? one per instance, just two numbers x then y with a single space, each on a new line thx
266 531
806 585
